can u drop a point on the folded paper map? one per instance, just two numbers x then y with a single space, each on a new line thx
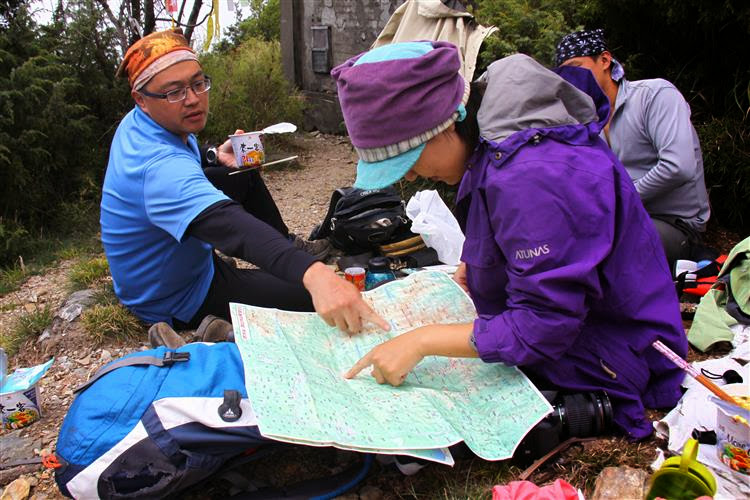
294 365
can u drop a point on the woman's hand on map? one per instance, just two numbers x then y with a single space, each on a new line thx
337 301
460 277
392 361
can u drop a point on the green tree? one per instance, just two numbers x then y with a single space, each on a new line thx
700 46
58 100
531 27
249 90
264 23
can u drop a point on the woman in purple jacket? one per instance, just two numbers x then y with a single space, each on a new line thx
561 260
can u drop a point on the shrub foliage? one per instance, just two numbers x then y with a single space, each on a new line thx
248 90
58 104
696 44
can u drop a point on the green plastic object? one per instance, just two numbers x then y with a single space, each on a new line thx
683 477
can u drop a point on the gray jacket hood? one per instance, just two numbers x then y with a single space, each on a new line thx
522 94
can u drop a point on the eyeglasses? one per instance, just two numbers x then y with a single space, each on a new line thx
177 95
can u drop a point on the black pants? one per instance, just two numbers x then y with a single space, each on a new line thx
680 241
247 286
249 190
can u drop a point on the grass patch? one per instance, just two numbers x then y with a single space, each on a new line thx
12 277
469 478
45 253
88 272
9 306
24 327
109 319
74 252
582 464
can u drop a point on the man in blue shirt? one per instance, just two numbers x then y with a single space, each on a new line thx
649 130
162 214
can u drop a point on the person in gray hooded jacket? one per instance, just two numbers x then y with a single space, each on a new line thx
649 130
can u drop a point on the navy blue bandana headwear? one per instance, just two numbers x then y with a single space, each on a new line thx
586 43
579 44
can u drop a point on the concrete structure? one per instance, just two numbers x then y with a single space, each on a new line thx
317 35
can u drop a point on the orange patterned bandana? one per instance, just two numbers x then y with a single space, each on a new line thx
145 57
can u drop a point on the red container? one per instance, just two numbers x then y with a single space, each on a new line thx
356 275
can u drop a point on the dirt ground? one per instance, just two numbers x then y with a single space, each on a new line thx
302 192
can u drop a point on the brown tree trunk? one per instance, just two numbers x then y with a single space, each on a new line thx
149 20
192 19
116 22
135 14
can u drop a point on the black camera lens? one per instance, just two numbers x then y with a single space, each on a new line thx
584 414
579 415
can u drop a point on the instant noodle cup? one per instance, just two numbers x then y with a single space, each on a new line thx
733 431
248 149
20 408
19 397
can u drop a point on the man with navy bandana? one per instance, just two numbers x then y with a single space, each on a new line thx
649 130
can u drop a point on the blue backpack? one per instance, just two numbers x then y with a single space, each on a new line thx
155 422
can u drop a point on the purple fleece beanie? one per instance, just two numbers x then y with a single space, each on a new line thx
394 99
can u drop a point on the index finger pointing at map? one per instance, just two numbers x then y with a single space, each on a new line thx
372 316
359 366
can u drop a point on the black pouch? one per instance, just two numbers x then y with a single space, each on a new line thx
360 220
422 257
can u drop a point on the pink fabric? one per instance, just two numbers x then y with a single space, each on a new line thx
526 490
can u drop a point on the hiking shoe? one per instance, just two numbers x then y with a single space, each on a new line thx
317 248
215 329
161 334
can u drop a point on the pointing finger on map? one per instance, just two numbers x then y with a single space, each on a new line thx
370 315
360 365
352 323
377 374
393 359
399 355
337 301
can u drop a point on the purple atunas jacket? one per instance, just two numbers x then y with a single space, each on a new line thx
563 263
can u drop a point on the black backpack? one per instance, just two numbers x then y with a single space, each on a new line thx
360 220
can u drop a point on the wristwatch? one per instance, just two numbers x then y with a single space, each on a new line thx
212 156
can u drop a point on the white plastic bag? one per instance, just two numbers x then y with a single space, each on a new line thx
434 221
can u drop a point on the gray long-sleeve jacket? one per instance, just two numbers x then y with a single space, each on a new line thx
652 136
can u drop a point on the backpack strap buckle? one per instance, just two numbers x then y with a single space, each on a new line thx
169 358
172 357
